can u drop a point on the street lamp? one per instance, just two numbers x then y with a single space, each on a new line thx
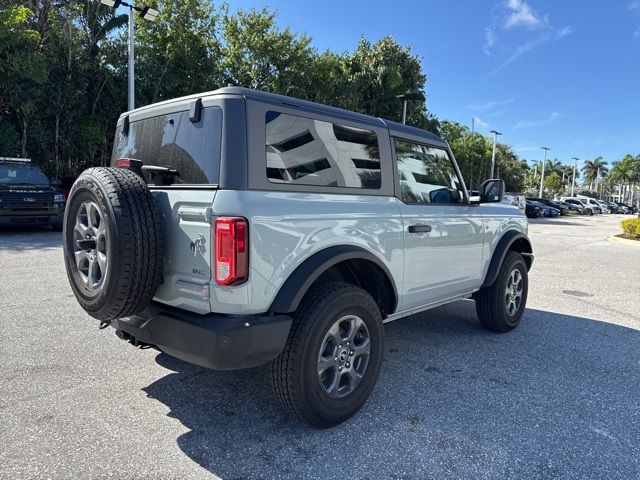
573 178
146 12
543 162
493 156
408 96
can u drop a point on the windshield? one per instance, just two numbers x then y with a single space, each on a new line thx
11 174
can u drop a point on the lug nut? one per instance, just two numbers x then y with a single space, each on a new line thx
351 352
348 343
348 365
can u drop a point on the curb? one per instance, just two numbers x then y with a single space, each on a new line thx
624 241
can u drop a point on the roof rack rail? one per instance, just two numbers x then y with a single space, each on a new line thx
11 159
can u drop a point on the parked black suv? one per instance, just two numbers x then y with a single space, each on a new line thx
26 195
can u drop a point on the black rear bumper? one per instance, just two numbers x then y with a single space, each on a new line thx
220 342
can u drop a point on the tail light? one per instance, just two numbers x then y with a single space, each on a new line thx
231 255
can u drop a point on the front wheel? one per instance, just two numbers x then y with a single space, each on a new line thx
331 361
501 305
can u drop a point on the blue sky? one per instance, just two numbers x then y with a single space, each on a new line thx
562 74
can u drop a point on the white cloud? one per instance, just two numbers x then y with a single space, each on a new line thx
480 124
512 14
483 106
537 123
520 14
635 5
489 41
531 44
636 34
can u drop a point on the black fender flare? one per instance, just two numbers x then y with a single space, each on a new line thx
299 282
504 245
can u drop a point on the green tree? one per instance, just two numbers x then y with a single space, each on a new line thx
592 169
178 54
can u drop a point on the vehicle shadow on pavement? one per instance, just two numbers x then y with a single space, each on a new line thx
556 397
29 238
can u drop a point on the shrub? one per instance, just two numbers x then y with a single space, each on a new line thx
631 228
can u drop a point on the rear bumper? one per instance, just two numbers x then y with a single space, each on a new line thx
220 342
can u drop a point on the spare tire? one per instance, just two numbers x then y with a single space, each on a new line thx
113 243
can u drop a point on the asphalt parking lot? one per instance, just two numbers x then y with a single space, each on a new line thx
557 398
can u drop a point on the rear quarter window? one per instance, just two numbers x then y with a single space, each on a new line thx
306 151
173 141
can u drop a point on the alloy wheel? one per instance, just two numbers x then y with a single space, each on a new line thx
344 356
90 245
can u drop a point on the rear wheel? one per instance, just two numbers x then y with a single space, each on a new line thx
501 305
332 358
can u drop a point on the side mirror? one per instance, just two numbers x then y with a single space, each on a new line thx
492 191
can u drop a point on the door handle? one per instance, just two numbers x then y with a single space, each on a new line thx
419 228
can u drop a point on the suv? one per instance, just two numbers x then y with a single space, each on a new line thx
26 195
588 209
238 228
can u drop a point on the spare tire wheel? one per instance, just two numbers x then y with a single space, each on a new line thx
113 243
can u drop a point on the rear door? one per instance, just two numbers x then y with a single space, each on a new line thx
172 140
443 234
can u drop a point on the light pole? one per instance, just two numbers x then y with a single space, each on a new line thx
408 96
146 12
573 178
493 155
542 176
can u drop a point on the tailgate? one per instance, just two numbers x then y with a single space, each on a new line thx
187 248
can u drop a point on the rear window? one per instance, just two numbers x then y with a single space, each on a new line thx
304 151
175 142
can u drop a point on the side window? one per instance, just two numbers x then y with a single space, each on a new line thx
426 174
304 151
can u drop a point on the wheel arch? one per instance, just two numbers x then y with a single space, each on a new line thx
347 263
512 240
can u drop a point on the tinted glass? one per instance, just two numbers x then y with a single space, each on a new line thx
304 151
426 174
15 173
173 141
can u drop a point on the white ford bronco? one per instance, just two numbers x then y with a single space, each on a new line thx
237 228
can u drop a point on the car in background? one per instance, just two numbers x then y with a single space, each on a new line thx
27 197
592 203
575 207
533 209
627 209
613 208
550 203
603 206
587 209
514 200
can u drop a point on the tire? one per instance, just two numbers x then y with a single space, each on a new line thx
494 303
298 386
118 272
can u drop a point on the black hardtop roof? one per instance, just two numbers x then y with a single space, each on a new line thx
394 127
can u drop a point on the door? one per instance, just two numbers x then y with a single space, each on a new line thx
443 234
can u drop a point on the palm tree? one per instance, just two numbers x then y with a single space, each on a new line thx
592 171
